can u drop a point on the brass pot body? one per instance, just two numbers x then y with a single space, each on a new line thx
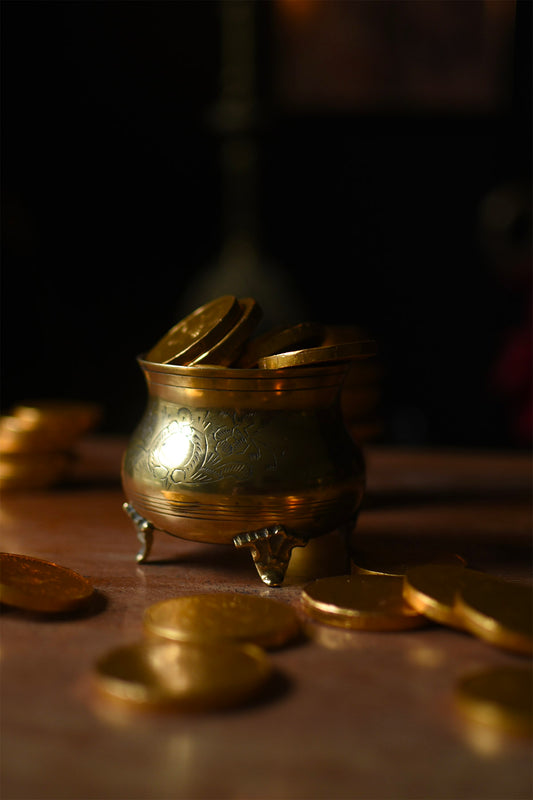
219 452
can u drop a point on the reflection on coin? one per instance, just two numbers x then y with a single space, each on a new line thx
364 602
432 590
501 697
32 584
223 616
397 558
197 332
280 340
497 611
183 675
319 355
228 348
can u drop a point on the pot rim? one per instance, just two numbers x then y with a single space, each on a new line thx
254 379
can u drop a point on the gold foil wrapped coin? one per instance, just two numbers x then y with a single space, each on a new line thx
432 590
280 340
183 675
41 586
197 333
346 351
224 352
362 602
223 616
498 611
500 697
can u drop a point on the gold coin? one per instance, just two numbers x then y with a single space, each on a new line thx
501 697
363 602
397 558
32 584
18 435
345 351
184 675
225 351
63 420
497 611
279 340
197 332
223 616
432 589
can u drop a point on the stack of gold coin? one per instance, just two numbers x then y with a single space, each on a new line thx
213 334
201 652
37 441
398 590
32 584
500 612
219 334
401 589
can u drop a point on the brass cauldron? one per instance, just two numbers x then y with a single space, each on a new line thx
257 458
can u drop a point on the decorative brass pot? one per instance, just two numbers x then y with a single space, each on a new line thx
250 457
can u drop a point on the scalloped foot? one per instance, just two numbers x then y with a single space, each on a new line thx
271 551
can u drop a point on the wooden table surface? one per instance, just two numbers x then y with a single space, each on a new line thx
353 714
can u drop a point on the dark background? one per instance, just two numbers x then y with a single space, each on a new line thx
112 213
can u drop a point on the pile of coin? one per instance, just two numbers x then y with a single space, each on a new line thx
201 652
402 592
38 440
493 609
208 651
219 334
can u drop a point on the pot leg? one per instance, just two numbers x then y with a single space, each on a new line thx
271 551
145 532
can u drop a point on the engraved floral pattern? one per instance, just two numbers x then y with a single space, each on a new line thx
194 447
